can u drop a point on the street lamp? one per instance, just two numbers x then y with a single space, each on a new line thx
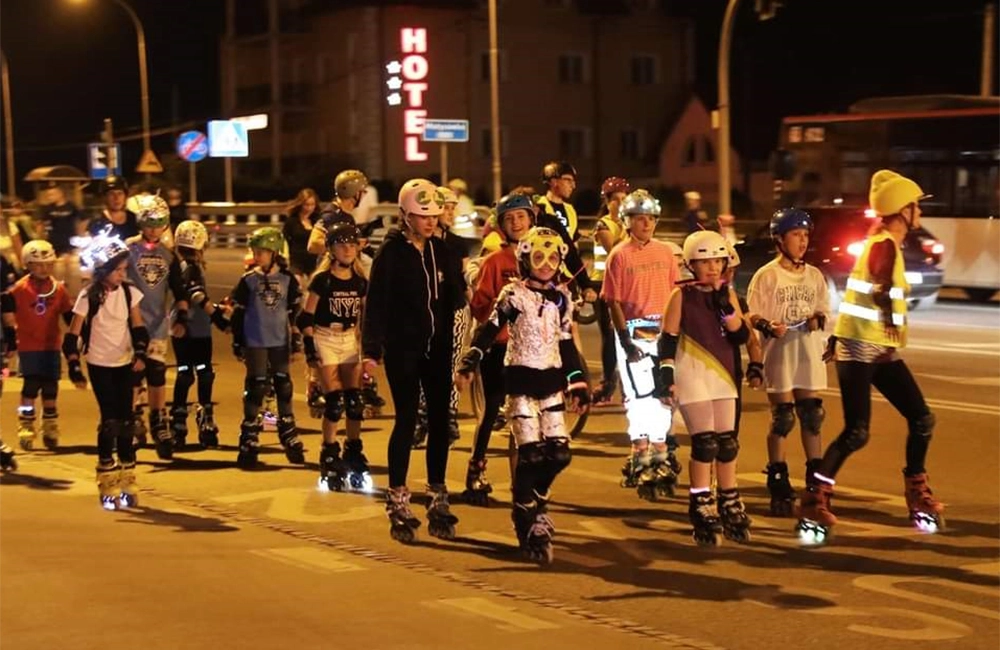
8 125
143 77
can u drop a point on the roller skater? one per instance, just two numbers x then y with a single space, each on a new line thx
416 287
639 277
265 303
208 430
789 307
8 460
702 327
871 329
31 312
541 364
403 523
332 469
477 486
440 521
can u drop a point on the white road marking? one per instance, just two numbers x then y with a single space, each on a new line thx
310 558
504 617
887 585
290 504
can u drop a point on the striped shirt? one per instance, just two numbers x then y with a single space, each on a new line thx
640 277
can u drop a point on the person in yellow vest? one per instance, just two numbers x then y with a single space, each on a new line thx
870 330
557 213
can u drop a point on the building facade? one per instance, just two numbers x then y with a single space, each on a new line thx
350 84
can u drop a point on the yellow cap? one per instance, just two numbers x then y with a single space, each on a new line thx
891 192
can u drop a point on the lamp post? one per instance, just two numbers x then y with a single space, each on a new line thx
725 198
494 101
8 126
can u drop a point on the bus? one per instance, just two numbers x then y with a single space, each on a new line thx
948 144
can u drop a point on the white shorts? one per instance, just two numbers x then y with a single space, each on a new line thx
157 350
337 346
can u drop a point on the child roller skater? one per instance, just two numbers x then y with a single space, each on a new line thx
265 302
36 304
328 323
871 329
542 364
637 283
702 325
192 339
107 329
789 306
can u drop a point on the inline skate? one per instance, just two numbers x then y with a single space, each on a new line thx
732 512
780 489
440 521
815 518
50 429
249 444
402 522
108 474
659 480
159 430
26 427
702 510
477 486
332 472
926 512
178 425
358 475
638 462
8 461
208 430
129 493
289 439
534 531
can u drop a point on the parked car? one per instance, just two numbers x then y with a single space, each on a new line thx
837 241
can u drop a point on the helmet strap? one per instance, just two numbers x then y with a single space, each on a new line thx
797 264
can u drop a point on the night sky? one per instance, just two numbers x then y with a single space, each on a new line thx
73 63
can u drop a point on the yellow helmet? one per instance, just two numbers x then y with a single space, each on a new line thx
891 192
539 246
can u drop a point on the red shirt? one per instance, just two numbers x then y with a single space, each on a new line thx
497 270
38 318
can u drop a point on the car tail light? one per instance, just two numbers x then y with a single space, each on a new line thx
932 246
856 248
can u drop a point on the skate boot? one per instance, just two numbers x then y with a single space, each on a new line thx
8 463
477 486
50 429
208 431
534 531
178 425
358 476
661 475
813 511
638 462
780 489
289 439
500 423
26 427
249 444
159 429
107 484
139 431
315 400
604 394
440 521
269 419
129 497
732 512
705 518
369 394
332 473
402 522
926 512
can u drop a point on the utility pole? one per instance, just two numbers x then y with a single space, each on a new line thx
986 78
8 127
495 100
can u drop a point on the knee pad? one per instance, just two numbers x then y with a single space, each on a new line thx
923 426
333 408
156 373
31 387
353 404
138 376
204 372
255 390
704 447
50 388
282 387
854 438
811 414
185 374
729 446
557 454
782 419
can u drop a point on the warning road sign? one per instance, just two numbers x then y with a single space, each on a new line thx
149 164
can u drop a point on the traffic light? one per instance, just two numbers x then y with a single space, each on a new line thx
766 9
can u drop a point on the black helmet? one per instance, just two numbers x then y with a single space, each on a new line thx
114 183
557 168
342 233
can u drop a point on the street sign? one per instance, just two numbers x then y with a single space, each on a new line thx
99 163
228 139
446 130
149 164
192 146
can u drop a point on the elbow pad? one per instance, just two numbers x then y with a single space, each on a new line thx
666 346
304 320
740 336
140 340
70 345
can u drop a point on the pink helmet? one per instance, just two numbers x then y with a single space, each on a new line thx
614 184
420 196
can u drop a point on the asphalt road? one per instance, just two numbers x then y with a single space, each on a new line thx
217 555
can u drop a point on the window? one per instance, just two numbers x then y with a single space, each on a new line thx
709 150
486 143
573 144
628 147
484 66
689 155
643 70
571 69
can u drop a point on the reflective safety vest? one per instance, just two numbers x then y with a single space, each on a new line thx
570 215
618 235
859 317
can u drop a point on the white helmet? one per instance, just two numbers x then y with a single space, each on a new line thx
420 196
191 234
705 245
638 202
151 211
38 250
734 257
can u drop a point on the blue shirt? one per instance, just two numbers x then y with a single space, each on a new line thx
153 268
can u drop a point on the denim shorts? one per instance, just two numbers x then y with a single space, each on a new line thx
45 364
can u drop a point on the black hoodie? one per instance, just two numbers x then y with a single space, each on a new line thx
411 296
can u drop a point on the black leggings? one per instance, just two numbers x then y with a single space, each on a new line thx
194 359
609 359
114 399
897 384
491 376
407 372
266 366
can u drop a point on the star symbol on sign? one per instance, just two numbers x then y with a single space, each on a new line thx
393 67
395 99
394 83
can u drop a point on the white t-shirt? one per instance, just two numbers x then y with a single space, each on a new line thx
110 340
796 359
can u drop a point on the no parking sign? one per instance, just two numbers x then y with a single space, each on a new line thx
192 146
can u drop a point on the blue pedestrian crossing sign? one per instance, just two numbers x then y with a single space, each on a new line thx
228 139
446 130
104 160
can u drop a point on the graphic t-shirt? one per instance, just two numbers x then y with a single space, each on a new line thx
339 300
38 309
267 300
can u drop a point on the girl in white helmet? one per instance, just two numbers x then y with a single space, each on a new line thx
702 326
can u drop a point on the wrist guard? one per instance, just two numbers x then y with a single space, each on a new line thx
75 371
755 370
9 338
470 361
140 340
71 346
